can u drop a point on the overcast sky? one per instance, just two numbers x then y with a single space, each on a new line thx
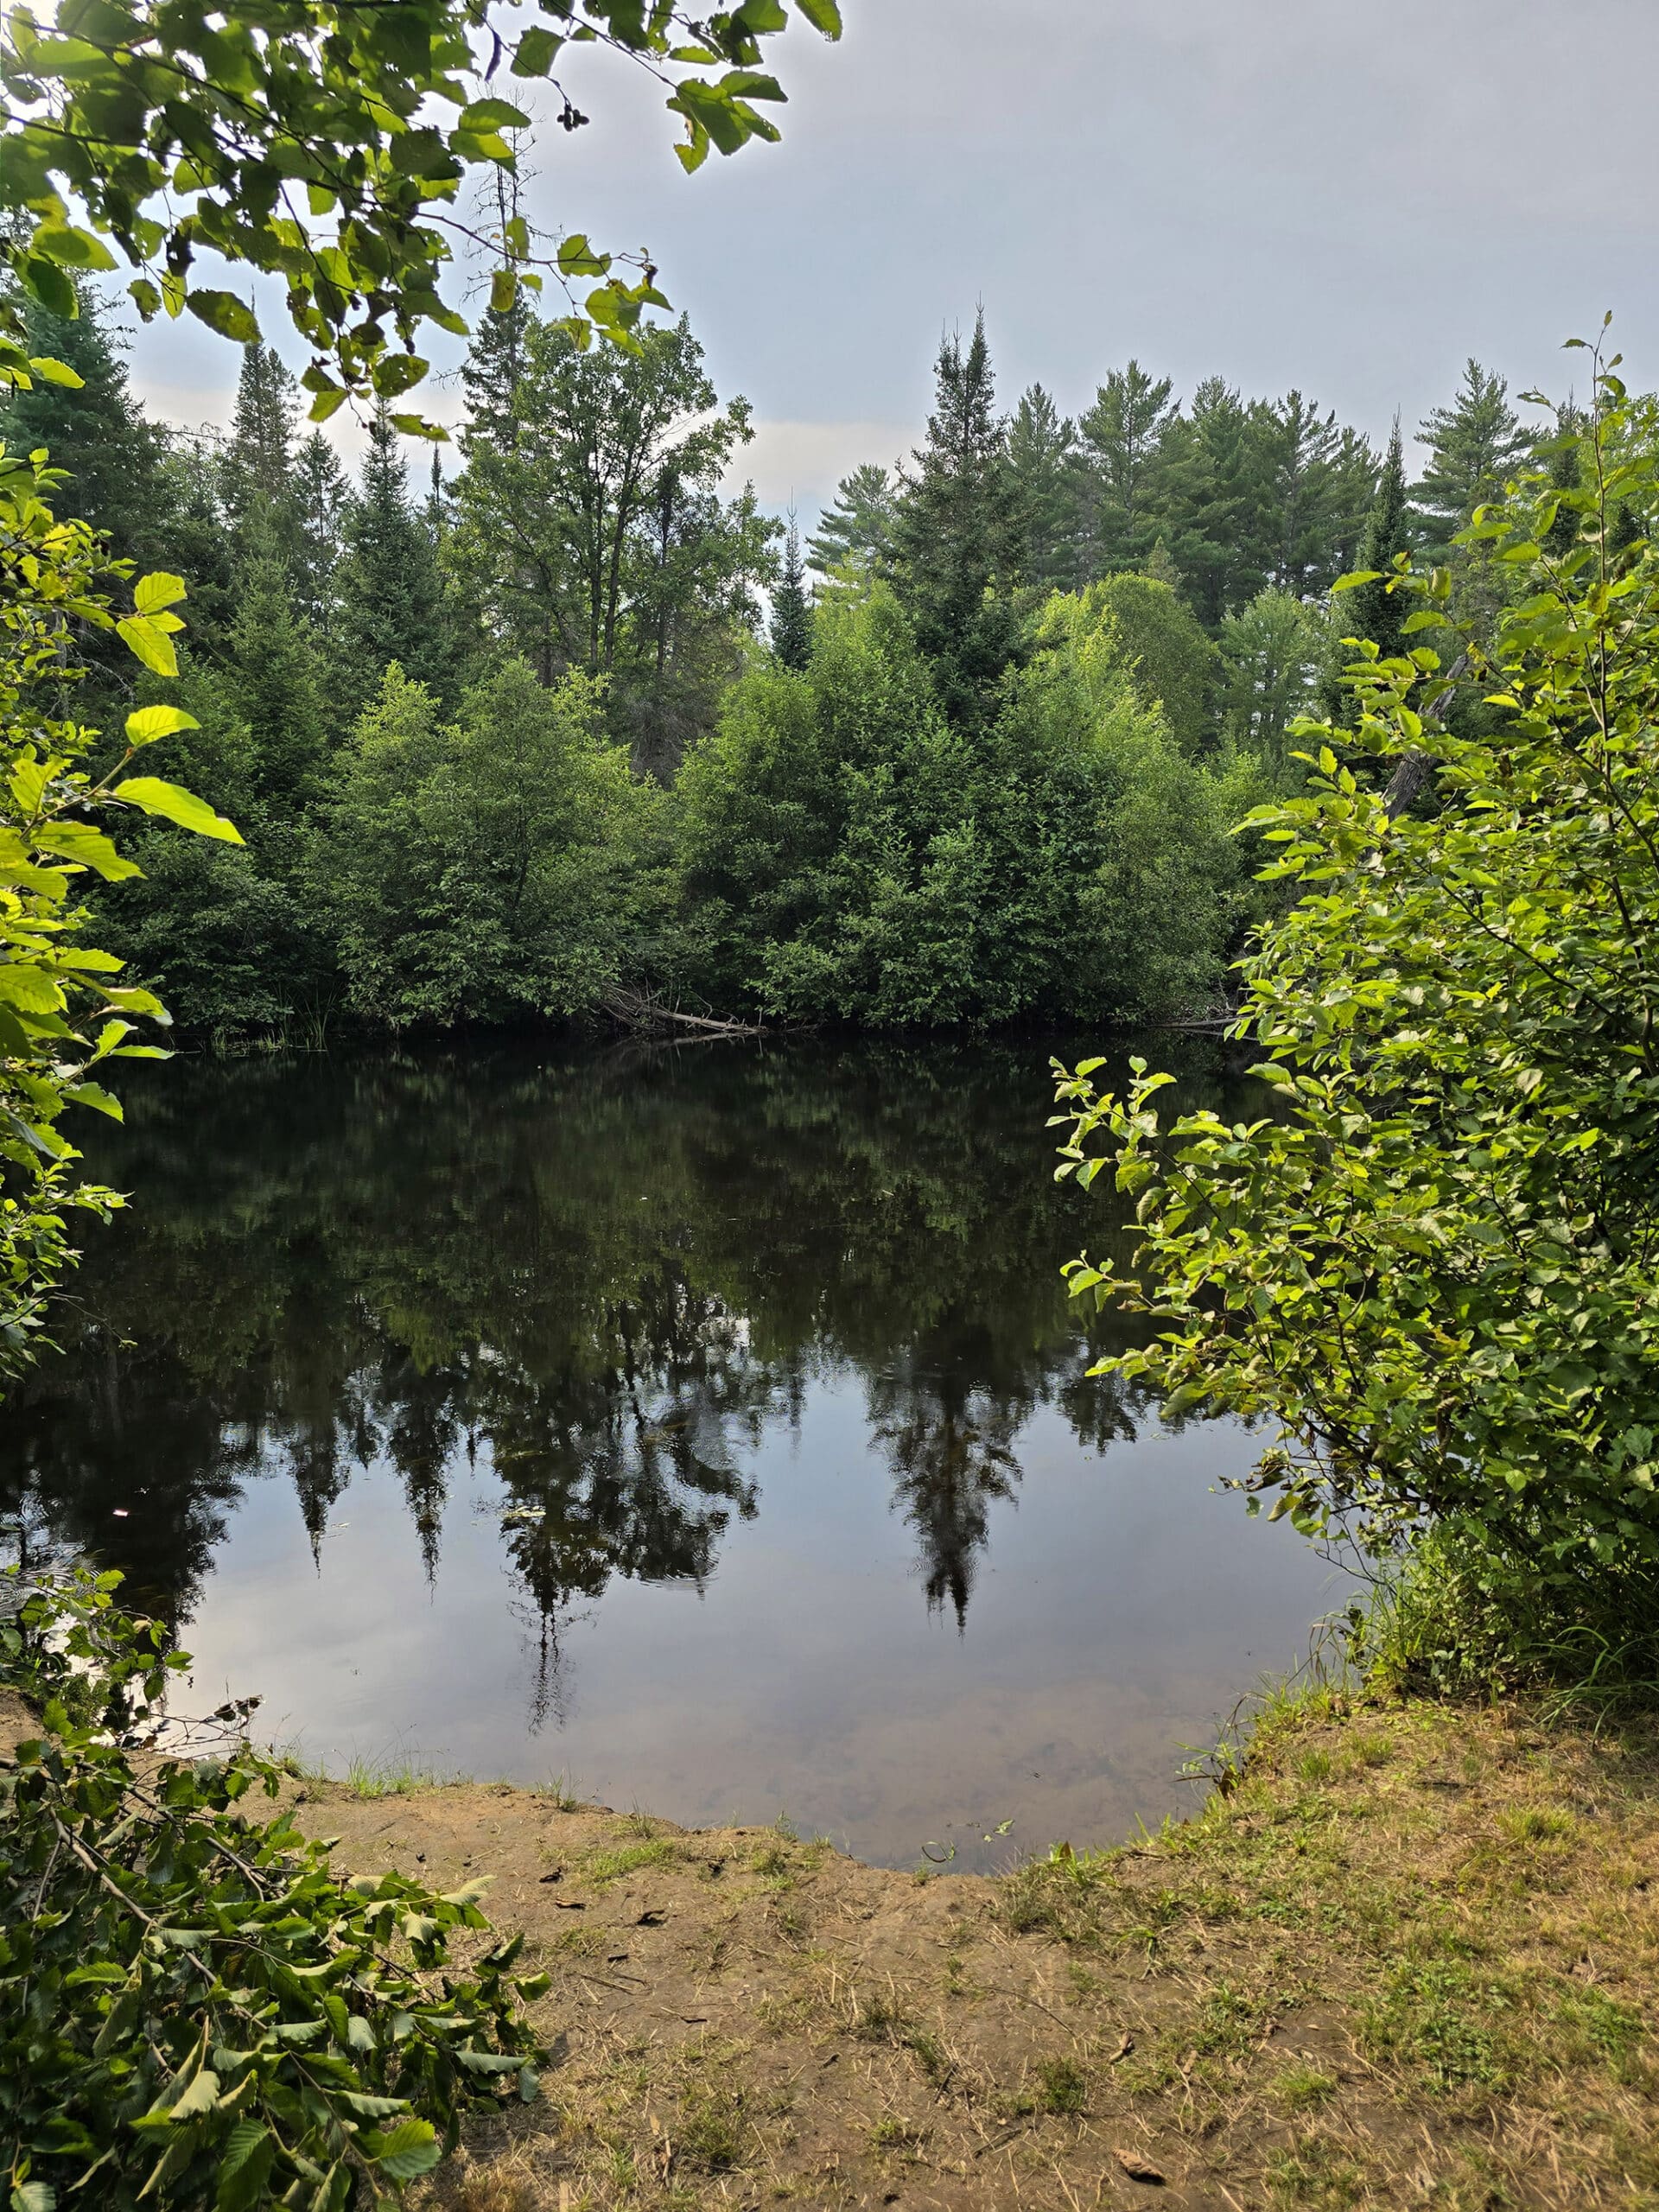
1313 193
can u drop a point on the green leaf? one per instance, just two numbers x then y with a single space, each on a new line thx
86 848
94 1094
29 990
51 372
395 372
200 2097
32 2196
158 590
222 311
752 85
823 16
53 286
146 724
536 52
485 115
404 2152
172 801
577 257
503 290
244 2166
146 638
69 247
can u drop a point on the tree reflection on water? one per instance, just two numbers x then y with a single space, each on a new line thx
603 1279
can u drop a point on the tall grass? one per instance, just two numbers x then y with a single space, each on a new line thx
1454 1617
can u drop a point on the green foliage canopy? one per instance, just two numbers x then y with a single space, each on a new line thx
64 1009
486 869
1432 1266
327 144
850 851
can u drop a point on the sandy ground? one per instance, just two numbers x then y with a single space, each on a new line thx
1410 1960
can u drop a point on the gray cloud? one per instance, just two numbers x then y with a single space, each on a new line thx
1307 191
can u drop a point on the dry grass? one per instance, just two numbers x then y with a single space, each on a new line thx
1410 1960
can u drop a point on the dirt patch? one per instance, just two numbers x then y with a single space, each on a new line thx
1410 1960
17 1723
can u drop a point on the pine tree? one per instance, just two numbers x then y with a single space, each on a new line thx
257 467
494 374
1475 446
792 614
1122 438
1372 610
198 544
858 525
320 499
114 459
956 538
272 680
1357 470
1161 568
389 591
1565 470
1043 456
1312 494
498 360
1217 497
1627 535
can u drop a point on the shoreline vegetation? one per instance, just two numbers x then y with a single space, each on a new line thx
1404 1954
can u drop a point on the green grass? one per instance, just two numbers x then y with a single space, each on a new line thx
1301 2088
714 2131
1063 2085
604 1866
396 1773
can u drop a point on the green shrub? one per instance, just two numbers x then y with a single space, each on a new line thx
194 2009
1434 1265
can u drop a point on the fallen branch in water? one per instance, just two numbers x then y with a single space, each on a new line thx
646 1010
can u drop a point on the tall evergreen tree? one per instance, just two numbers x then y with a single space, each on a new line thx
1563 458
1323 478
1122 438
494 377
792 615
1475 446
389 591
858 524
271 681
1372 610
1043 457
257 467
198 544
956 538
320 496
1216 497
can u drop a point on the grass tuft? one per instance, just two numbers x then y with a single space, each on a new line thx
1064 2086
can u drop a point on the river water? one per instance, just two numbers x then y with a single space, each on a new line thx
709 1427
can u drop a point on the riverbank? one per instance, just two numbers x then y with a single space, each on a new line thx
1411 1958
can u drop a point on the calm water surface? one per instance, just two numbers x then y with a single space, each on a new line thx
710 1428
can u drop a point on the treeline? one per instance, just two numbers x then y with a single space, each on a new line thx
570 731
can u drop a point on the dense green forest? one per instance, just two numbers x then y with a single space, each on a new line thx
569 733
